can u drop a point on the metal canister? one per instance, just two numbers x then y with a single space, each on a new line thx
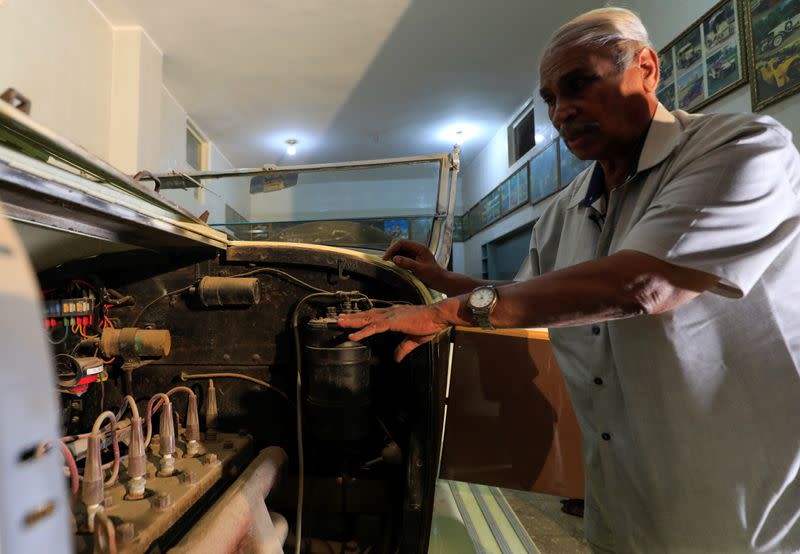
228 291
337 369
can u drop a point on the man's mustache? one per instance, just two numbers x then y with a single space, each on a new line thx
571 130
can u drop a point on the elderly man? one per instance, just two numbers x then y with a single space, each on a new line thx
669 275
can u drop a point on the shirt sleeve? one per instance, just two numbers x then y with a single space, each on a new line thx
530 266
728 212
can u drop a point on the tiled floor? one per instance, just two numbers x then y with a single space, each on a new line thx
485 520
553 531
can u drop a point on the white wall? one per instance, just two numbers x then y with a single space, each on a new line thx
172 130
665 21
134 134
58 53
484 173
102 87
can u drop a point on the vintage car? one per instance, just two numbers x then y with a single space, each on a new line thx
692 91
198 368
779 73
688 55
722 68
781 32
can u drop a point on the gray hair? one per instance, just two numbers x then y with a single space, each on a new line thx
619 29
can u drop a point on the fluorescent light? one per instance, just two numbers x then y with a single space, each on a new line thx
459 134
538 137
291 150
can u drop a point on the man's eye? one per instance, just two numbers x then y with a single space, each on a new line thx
549 100
577 84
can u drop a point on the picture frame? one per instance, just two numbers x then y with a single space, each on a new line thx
458 229
569 165
773 48
514 191
707 61
505 198
544 173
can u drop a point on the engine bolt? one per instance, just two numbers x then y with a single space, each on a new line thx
108 501
228 445
163 501
126 532
211 459
189 477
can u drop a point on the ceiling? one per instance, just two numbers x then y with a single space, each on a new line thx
348 79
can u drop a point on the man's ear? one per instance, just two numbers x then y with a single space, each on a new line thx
647 59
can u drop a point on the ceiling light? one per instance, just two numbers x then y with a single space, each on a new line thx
291 150
538 138
459 134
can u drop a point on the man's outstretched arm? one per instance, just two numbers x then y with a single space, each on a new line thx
622 285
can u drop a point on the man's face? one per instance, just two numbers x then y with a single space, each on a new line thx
600 111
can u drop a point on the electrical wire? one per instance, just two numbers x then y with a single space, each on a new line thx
300 454
62 339
96 430
391 302
149 414
283 274
107 527
88 341
165 295
82 282
73 468
185 377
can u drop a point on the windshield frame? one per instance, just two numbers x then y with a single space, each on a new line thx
441 236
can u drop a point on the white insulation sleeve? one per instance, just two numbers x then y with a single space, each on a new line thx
239 521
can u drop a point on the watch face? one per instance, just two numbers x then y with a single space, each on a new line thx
481 297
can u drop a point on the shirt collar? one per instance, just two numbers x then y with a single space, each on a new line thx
662 138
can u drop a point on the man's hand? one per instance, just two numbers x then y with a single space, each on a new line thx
417 259
421 324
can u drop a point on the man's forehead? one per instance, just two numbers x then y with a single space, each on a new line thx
568 60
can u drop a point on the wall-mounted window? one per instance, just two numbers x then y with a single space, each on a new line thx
521 135
196 148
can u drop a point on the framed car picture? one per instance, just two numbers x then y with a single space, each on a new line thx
544 173
569 165
773 46
706 61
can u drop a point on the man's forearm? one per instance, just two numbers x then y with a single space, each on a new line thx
455 284
622 285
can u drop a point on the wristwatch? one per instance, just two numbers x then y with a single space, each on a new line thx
481 302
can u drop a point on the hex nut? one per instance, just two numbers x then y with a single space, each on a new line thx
189 477
211 459
163 501
108 501
126 532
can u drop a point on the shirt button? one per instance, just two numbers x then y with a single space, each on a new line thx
595 330
606 437
598 381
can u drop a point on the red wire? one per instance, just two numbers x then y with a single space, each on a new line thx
73 468
81 281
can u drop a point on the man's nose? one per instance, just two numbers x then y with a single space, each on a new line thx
562 111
